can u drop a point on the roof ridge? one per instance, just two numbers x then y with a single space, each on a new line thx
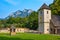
44 6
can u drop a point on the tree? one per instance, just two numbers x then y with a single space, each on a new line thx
33 20
55 7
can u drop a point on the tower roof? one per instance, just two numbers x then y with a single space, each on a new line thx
44 6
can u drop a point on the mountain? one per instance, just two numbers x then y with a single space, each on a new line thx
19 13
1 18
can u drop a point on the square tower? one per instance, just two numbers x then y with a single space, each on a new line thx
44 19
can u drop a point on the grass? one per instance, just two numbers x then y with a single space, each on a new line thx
28 36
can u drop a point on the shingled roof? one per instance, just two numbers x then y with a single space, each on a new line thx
44 6
55 20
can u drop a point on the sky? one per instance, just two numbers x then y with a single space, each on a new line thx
9 6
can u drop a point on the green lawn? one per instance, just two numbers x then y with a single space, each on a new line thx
29 36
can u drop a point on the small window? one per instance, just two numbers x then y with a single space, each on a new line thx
47 29
47 12
51 29
40 17
13 30
41 12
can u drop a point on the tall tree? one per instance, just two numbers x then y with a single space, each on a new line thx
55 7
33 20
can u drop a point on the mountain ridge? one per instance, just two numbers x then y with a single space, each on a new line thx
19 13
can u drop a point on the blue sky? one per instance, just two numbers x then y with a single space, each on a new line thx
9 6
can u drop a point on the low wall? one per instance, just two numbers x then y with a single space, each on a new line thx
7 30
4 30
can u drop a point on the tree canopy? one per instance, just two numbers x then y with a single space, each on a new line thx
55 7
30 21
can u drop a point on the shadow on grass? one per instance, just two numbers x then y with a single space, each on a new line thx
8 38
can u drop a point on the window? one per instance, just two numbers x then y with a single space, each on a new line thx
40 17
41 12
10 30
47 12
13 30
47 29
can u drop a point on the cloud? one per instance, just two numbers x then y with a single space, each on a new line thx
13 2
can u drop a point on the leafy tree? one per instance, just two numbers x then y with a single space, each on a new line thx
33 20
55 7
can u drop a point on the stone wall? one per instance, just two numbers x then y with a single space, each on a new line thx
7 30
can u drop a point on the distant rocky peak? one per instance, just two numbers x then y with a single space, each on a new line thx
30 11
17 11
20 13
25 10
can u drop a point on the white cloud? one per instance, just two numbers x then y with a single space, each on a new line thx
12 2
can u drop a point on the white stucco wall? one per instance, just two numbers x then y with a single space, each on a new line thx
46 28
47 17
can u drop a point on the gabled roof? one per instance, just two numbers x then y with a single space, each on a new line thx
12 27
44 6
55 20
